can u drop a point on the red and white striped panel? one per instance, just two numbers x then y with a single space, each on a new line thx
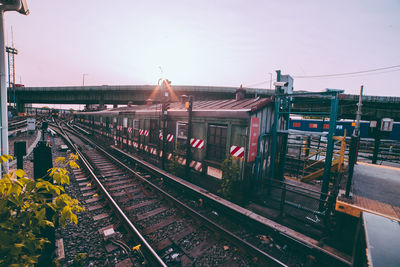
144 132
124 141
129 129
182 160
169 155
198 166
154 152
237 151
197 143
135 145
104 124
129 143
146 148
141 146
170 137
111 126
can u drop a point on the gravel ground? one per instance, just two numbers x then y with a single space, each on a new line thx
85 237
29 139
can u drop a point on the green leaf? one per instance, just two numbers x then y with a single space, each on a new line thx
20 173
60 159
48 223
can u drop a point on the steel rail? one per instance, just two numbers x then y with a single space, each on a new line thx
211 224
152 256
320 250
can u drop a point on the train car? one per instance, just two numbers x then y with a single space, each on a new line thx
220 128
313 125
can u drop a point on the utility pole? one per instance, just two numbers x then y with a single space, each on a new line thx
11 68
189 107
21 7
164 118
355 140
358 117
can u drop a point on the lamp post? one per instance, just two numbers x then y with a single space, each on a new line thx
21 7
83 78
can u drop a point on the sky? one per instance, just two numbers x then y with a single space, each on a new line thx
209 42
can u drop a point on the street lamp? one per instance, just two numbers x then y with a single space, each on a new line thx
21 7
83 78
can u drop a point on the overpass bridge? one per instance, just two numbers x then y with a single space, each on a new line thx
374 107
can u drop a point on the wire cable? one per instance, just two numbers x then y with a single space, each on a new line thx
348 73
259 83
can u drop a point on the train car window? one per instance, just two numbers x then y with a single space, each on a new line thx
154 132
181 136
216 142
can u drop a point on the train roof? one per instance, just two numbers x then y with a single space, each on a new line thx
208 108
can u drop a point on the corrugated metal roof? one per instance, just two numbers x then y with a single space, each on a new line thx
243 105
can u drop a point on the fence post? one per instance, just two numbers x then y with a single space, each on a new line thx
352 159
283 199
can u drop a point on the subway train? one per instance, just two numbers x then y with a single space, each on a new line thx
220 128
314 125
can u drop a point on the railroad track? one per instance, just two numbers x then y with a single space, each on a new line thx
17 124
176 231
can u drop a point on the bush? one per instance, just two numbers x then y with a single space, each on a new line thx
25 211
230 175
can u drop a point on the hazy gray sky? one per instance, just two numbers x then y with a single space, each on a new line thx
209 42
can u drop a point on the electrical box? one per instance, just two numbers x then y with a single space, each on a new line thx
288 89
386 125
20 148
31 124
372 124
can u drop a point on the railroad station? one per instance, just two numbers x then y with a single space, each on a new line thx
297 173
177 175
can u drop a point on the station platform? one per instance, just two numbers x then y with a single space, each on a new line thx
376 189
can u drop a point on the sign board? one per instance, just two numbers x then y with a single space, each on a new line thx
254 133
214 172
31 124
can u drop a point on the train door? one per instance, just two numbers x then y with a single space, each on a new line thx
135 134
124 132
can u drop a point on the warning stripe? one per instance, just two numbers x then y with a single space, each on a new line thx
237 151
170 137
144 132
197 143
198 166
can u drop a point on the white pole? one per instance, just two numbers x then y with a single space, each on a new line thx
3 92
